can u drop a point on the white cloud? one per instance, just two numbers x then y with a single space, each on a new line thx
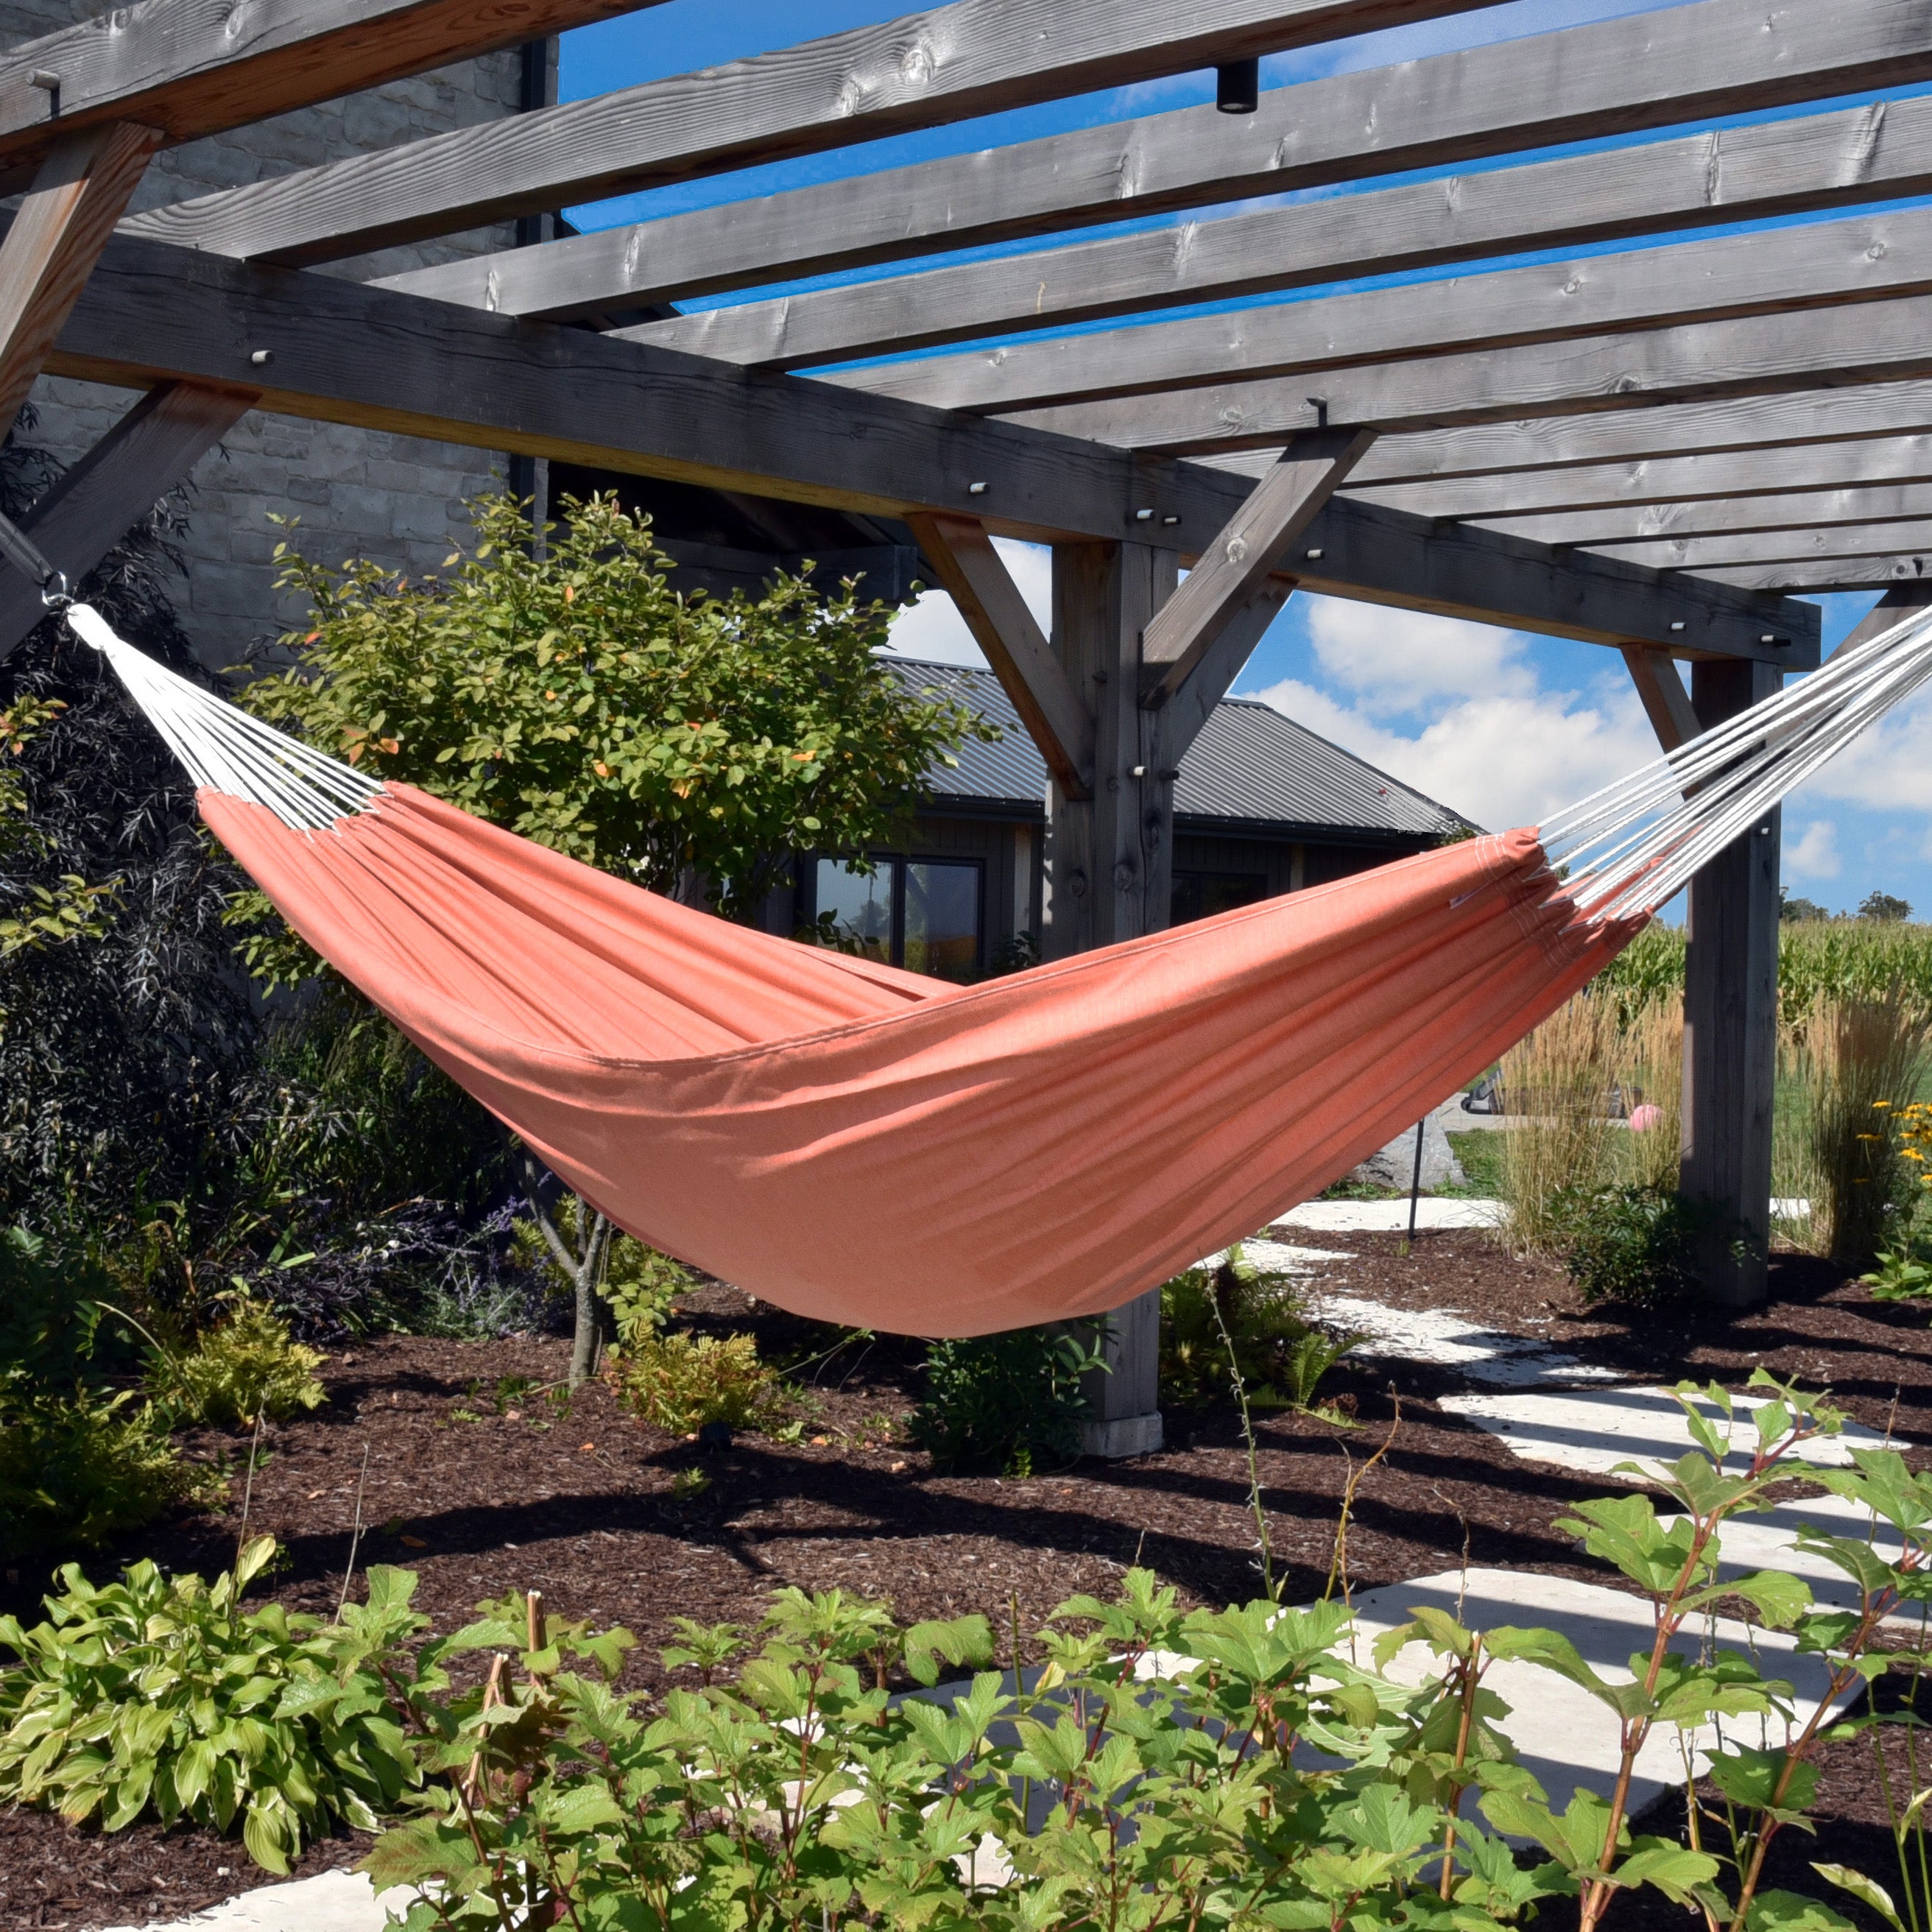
1814 854
933 628
1404 659
1885 770
1457 710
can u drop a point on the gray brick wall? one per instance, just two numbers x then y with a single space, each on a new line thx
358 492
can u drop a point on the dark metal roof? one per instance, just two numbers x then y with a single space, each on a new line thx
1250 767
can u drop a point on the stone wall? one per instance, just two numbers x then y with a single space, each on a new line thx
357 492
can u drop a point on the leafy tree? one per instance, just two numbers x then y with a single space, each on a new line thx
1883 906
1792 910
569 692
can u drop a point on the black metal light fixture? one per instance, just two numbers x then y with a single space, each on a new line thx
1237 86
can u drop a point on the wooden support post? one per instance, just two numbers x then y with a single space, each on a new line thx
113 486
1110 874
1058 718
1666 702
1730 1025
82 190
1901 601
1244 553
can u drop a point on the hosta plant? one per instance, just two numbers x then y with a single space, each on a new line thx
161 1697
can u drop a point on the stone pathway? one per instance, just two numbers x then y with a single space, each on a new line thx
334 1901
1391 1217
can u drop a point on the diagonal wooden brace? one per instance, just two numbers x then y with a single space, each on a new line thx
113 486
970 570
1666 702
1231 569
1193 704
64 221
1901 601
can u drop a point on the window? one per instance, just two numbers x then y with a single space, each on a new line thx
1202 895
923 914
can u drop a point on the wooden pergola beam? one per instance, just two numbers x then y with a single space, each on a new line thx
1776 167
1666 702
94 504
1902 601
80 191
189 68
1735 515
341 351
973 57
1709 429
1667 482
1058 718
1740 355
1699 554
1842 573
1243 555
1653 69
1821 265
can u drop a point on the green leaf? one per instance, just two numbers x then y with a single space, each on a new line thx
1867 1891
1673 1869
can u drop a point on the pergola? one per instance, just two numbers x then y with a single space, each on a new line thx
1644 449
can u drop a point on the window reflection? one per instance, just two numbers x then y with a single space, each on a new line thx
942 919
861 906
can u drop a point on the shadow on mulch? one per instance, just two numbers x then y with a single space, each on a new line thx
479 1483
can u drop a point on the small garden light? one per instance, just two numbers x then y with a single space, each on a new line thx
1237 86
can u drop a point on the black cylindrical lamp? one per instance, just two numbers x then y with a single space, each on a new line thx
1237 86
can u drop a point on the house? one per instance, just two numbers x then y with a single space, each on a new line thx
1262 806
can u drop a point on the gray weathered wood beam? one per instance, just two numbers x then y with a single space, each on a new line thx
1885 253
1626 488
1224 660
1243 555
1654 69
78 194
1730 516
343 353
189 68
1842 573
1689 362
1666 702
1776 167
1902 601
1699 554
94 504
1058 719
973 57
1730 423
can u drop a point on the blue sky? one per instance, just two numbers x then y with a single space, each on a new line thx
1500 724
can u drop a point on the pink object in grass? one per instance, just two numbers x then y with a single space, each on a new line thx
1643 1118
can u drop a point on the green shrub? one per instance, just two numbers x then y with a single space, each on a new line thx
53 1325
1254 1769
1280 1358
681 1382
77 1467
1901 1275
159 1696
1011 1402
247 1367
1632 1244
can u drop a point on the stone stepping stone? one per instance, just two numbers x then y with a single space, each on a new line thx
1444 1340
332 1901
1391 1217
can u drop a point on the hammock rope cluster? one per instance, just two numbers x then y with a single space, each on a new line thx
875 1147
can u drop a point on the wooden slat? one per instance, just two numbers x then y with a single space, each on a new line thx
972 572
1665 480
1730 423
1891 341
1244 554
1724 552
1821 264
1902 601
1666 702
95 503
1776 167
195 67
1654 69
344 352
973 57
1844 573
1732 516
80 192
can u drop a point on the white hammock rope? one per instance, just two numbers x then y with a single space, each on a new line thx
224 748
1631 848
1626 850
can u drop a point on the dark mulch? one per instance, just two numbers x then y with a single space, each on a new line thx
482 1486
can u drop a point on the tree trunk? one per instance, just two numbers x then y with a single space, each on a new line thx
582 1269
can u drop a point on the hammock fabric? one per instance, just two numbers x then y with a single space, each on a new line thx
875 1147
